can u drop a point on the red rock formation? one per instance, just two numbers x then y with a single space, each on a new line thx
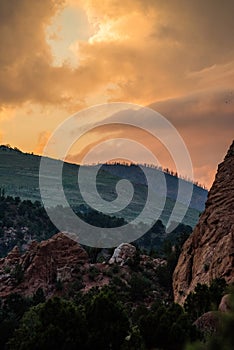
13 256
41 266
209 251
208 323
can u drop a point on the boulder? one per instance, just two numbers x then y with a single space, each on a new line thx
225 304
208 323
122 254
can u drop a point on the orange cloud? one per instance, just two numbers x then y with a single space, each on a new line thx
42 141
138 51
141 51
205 121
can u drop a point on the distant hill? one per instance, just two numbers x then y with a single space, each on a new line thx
135 175
19 177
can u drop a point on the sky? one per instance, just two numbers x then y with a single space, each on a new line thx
175 56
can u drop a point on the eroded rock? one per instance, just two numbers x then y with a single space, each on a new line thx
209 251
122 254
41 266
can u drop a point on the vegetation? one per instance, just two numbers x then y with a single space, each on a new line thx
205 298
22 221
55 324
114 316
104 319
135 311
23 182
224 338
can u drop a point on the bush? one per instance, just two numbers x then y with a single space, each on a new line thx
167 328
55 324
223 339
93 273
107 321
204 298
139 286
18 274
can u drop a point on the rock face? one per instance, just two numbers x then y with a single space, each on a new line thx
41 266
209 251
208 323
225 304
122 253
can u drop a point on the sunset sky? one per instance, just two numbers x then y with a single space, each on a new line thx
176 56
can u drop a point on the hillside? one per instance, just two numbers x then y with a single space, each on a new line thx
22 221
19 177
60 294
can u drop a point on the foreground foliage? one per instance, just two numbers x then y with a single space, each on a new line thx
102 319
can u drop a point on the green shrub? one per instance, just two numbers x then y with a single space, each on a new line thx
93 273
204 298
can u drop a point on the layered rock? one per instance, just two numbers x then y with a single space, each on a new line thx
209 251
41 266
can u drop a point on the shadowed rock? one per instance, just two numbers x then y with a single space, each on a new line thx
209 251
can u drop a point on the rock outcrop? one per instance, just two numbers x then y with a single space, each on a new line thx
225 304
123 253
42 265
209 251
208 323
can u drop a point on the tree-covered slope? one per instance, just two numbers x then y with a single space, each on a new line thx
19 177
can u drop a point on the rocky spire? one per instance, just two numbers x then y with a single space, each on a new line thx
209 251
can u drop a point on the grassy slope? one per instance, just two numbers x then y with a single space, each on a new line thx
19 177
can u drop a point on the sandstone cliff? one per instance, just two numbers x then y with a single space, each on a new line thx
60 266
42 265
209 251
